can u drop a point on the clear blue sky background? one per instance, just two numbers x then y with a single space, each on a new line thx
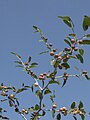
16 34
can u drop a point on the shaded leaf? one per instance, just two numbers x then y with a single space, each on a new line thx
44 52
37 107
73 105
29 59
86 23
82 117
16 54
21 90
53 113
19 62
47 91
74 117
33 65
87 77
37 29
85 42
67 20
58 117
66 65
80 105
67 42
88 35
79 57
73 35
64 82
54 82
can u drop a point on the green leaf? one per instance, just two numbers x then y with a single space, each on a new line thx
21 90
85 42
81 51
82 117
19 62
54 82
73 35
47 91
44 52
39 94
58 117
37 107
67 42
29 59
86 23
64 82
16 54
33 65
53 113
87 77
67 20
66 65
88 35
74 117
19 66
80 105
73 105
37 29
79 57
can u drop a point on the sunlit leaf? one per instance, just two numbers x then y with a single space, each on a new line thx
81 51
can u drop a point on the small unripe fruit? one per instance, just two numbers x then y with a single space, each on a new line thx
67 49
54 105
72 41
12 96
44 73
76 48
41 77
80 41
26 63
26 112
60 66
36 84
56 56
59 58
54 50
23 110
84 72
52 53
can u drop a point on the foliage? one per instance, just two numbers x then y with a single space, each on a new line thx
60 62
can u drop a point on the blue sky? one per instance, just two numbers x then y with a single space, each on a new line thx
16 34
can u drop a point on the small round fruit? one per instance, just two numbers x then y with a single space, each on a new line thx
52 53
56 56
12 96
54 105
23 110
41 77
44 73
36 84
72 41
